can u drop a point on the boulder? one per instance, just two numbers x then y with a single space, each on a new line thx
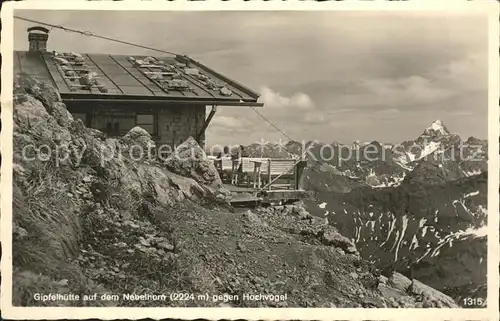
28 111
32 118
46 94
399 281
61 114
303 214
190 160
138 145
389 292
253 218
382 279
96 133
165 246
153 180
42 138
429 294
332 237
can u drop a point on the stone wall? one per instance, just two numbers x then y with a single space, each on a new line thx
178 123
174 123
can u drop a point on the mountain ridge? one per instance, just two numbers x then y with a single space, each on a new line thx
431 188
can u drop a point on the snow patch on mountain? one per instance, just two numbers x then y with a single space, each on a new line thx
416 152
471 194
472 173
429 149
396 181
358 144
403 164
476 232
403 231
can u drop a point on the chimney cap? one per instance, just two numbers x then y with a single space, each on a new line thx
38 28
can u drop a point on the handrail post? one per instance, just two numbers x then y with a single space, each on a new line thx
269 174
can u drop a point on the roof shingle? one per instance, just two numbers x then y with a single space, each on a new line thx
132 77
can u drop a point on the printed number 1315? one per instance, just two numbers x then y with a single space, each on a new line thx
474 301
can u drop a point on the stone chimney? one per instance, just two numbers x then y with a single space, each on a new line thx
38 37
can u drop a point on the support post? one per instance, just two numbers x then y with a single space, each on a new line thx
207 122
299 169
256 174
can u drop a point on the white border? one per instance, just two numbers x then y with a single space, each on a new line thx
491 313
493 162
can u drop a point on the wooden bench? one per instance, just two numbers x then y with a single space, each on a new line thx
264 171
284 173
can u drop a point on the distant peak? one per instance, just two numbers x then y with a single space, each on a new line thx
360 143
437 128
437 124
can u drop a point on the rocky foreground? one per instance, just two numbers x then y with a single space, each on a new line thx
85 224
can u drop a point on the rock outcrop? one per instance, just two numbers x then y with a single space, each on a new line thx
74 175
398 286
397 290
190 160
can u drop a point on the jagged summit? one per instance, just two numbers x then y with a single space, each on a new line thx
437 128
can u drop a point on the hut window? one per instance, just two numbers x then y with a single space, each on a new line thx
114 124
113 129
147 122
126 124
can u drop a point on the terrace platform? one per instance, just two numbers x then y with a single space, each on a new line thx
264 181
284 196
253 197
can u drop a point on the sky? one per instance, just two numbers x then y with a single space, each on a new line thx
327 76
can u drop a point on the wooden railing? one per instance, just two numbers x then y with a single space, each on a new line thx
269 173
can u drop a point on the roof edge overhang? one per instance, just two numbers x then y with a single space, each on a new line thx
141 100
233 83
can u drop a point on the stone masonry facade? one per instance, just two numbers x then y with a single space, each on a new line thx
178 123
174 124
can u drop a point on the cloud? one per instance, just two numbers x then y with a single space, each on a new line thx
390 111
432 89
315 118
341 111
462 113
467 74
228 122
275 100
413 89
